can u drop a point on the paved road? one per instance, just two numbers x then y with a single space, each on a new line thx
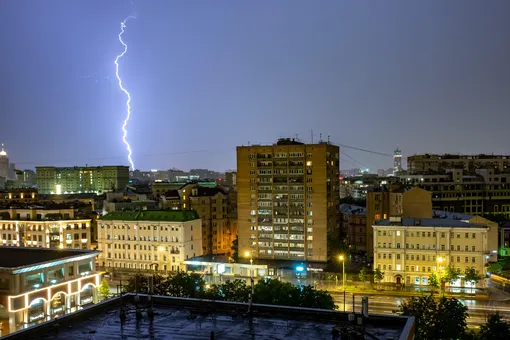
377 304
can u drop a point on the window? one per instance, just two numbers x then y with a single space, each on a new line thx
398 234
398 256
399 267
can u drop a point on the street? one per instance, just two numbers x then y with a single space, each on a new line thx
377 304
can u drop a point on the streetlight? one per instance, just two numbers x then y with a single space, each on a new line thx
248 254
341 257
439 261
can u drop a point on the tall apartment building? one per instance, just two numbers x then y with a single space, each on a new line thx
149 240
287 200
469 163
72 180
409 250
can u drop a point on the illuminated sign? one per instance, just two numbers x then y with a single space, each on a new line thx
86 300
36 317
56 310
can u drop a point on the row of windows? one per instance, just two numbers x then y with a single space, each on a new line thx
426 246
424 234
143 238
141 227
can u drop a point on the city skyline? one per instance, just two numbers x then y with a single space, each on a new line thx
389 75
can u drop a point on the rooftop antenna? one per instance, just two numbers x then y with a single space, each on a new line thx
311 135
328 139
296 137
320 138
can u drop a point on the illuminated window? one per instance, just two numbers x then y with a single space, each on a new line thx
309 163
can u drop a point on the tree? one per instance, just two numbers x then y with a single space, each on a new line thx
275 292
235 249
451 275
495 328
104 290
433 280
436 319
363 274
378 275
235 290
472 275
185 285
139 284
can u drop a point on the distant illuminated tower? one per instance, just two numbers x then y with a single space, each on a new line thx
4 163
397 162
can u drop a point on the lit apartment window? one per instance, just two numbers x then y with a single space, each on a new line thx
399 267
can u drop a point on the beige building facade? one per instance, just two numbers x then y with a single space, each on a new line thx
409 250
395 202
149 240
77 180
287 200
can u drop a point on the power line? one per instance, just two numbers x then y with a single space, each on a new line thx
365 150
353 160
111 158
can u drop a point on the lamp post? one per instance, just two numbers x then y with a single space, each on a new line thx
341 257
248 254
439 261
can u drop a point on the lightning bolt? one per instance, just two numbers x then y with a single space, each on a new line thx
128 95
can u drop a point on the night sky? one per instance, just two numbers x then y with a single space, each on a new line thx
206 76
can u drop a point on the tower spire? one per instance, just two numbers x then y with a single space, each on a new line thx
2 152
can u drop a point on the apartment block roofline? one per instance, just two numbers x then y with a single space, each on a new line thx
287 142
152 216
428 222
22 259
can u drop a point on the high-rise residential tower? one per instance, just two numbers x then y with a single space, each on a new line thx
397 162
287 200
4 164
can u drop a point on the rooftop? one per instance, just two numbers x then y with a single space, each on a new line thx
350 209
430 222
178 318
152 215
15 257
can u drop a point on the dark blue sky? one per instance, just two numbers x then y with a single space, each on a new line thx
428 76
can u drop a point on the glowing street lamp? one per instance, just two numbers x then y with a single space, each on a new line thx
248 254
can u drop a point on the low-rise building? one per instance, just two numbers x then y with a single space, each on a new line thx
18 196
37 285
354 226
409 250
504 240
152 239
44 228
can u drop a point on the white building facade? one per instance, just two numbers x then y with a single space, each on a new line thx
409 250
149 240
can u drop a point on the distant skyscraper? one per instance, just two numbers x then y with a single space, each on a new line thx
397 161
4 164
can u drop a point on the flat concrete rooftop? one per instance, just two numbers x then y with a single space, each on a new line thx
178 318
15 257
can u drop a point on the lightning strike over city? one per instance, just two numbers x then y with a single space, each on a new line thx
126 92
